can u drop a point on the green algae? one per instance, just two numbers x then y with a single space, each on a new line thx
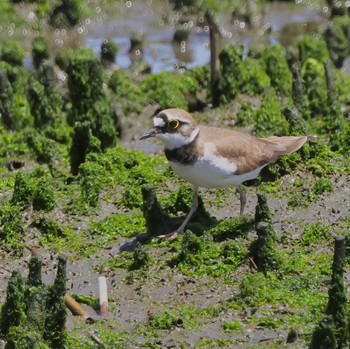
33 315
168 89
12 232
264 250
240 76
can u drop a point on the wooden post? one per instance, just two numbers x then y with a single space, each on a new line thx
102 285
215 35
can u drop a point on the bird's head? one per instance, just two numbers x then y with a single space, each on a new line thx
175 127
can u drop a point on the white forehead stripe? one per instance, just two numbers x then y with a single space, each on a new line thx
158 122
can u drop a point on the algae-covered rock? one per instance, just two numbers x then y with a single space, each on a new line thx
89 99
13 310
109 50
262 211
264 250
311 46
337 41
12 52
90 179
323 336
168 89
267 119
40 50
55 331
314 78
152 211
45 100
23 190
34 275
337 303
83 143
141 258
240 76
67 13
276 66
127 91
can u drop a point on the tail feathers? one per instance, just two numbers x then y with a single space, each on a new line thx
287 144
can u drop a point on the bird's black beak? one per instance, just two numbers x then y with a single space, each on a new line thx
150 133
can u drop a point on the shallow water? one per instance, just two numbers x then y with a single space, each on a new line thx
156 22
279 23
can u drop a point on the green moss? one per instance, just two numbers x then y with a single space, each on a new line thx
152 211
118 224
89 99
168 89
23 190
40 50
233 326
20 337
323 185
264 250
276 67
108 331
232 228
266 120
128 92
84 299
109 50
90 175
141 258
67 13
12 52
43 195
314 233
199 256
37 192
315 84
13 310
240 76
12 232
50 229
311 46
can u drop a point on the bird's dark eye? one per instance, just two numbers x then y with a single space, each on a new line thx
173 124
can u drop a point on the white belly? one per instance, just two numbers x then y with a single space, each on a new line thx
212 174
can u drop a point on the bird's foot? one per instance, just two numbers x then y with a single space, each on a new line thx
171 236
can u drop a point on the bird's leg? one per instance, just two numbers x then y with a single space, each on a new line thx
181 229
242 199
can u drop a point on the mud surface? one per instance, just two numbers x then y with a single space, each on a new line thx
133 305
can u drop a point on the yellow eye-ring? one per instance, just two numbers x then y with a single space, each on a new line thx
173 124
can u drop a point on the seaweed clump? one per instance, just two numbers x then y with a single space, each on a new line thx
34 315
333 330
89 99
152 211
263 250
240 75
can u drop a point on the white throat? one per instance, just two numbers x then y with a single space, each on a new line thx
177 140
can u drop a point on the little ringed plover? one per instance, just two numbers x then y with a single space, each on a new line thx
211 157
